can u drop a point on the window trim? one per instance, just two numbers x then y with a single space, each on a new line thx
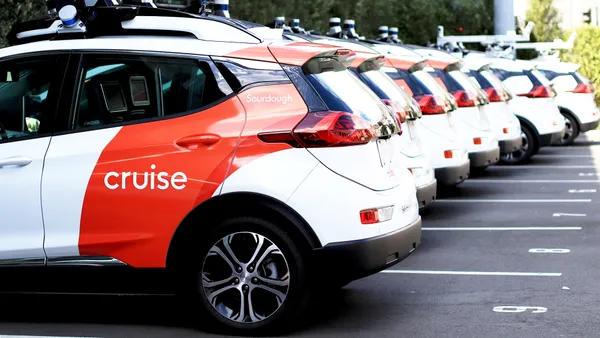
68 126
63 59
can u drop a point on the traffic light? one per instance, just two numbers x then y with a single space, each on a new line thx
588 17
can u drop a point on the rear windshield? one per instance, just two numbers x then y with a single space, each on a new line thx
343 91
384 86
430 83
581 79
538 78
504 74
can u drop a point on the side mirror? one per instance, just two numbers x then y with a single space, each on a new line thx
9 75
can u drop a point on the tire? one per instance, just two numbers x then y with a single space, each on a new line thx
572 129
528 148
281 259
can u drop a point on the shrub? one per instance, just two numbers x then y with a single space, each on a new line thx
585 53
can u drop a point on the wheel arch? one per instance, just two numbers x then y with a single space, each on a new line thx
568 111
530 125
205 216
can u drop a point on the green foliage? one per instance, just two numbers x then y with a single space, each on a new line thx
12 11
546 18
416 20
585 53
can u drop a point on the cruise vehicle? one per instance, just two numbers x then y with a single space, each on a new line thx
503 122
252 171
440 137
370 67
470 118
575 96
541 122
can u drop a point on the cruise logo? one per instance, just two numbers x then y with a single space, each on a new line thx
269 99
146 180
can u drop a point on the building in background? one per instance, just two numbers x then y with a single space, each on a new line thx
570 10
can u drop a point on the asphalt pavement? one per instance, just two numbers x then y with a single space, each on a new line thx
511 253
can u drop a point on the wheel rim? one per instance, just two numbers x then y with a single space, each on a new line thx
519 154
568 129
245 277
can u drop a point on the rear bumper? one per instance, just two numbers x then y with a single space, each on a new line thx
427 193
552 138
484 158
510 146
589 126
452 175
348 261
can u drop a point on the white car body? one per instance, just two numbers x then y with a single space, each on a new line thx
540 114
581 104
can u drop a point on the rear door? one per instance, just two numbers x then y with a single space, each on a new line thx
29 90
148 138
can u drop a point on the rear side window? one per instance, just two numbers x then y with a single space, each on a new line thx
384 86
550 75
341 90
432 86
580 78
504 74
116 89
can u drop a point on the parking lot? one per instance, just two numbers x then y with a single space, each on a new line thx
483 269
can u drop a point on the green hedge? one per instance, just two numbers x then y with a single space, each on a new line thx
586 52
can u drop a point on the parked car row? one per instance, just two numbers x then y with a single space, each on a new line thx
255 166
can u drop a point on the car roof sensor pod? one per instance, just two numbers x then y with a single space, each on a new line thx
221 8
335 28
295 26
349 30
394 35
383 33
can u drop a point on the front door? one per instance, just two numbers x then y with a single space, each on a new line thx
29 88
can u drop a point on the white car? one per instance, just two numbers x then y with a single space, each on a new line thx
470 118
533 102
250 171
373 71
439 136
574 96
503 121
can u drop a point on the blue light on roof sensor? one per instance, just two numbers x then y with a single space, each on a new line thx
68 15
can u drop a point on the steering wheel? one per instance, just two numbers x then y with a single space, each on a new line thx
3 134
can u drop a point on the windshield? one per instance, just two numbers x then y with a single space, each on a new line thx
342 91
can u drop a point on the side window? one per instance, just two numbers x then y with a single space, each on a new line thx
27 90
114 90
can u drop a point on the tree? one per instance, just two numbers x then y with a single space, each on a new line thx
12 11
546 18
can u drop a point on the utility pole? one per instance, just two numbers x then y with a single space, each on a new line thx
504 16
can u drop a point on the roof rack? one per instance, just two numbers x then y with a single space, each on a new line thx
132 17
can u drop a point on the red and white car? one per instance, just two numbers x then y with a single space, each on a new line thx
255 170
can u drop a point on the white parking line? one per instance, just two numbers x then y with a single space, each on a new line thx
475 273
541 166
529 181
581 191
17 336
504 229
587 174
542 250
513 201
560 214
564 156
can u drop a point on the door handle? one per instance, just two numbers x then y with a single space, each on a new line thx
19 161
195 141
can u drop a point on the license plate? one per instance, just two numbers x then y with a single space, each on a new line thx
386 154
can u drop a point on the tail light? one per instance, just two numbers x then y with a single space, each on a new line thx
431 105
465 99
399 112
583 88
325 129
495 95
373 216
540 92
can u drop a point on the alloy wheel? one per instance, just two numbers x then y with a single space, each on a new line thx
568 129
517 155
245 277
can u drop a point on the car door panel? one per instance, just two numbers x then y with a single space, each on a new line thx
136 182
